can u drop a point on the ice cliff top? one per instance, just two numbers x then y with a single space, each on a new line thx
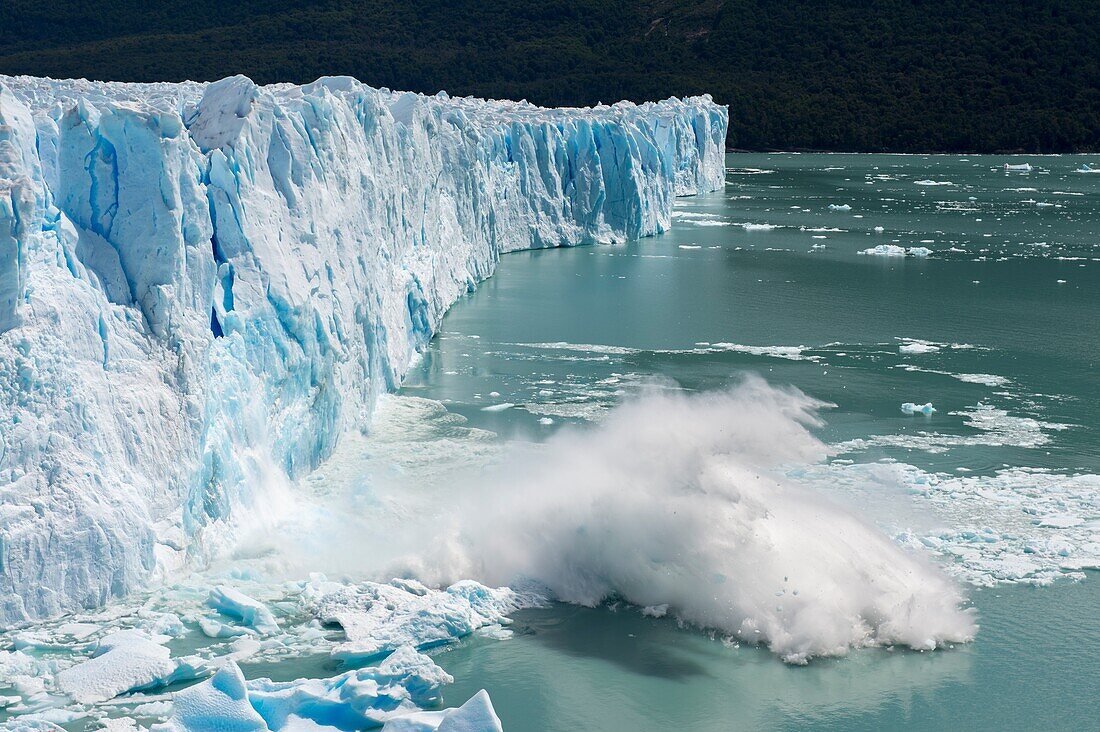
235 94
202 286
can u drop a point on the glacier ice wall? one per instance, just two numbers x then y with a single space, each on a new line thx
203 286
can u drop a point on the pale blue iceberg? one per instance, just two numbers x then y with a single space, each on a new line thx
364 698
476 715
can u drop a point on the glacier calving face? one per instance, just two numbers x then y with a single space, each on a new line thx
203 286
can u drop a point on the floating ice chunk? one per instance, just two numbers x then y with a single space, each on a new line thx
791 353
655 611
1061 521
503 406
128 660
840 207
983 379
911 408
1018 167
929 182
893 250
236 604
885 250
1086 168
220 703
998 429
916 346
77 631
405 682
30 725
476 715
217 629
377 618
758 227
879 229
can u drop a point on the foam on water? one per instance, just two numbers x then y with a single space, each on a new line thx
994 427
1014 525
678 500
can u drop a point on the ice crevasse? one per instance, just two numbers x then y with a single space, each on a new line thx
202 286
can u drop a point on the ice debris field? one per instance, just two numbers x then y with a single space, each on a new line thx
114 666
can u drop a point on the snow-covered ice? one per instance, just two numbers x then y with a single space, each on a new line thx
126 661
219 703
895 250
378 618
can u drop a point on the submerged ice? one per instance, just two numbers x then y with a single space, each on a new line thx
202 287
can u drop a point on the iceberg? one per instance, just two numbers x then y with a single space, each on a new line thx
252 613
128 660
476 715
378 618
915 346
221 703
894 250
203 286
361 699
926 409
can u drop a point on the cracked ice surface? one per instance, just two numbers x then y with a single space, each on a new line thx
202 286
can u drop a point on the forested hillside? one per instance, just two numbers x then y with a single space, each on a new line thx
904 75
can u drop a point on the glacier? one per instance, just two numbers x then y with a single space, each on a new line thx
203 286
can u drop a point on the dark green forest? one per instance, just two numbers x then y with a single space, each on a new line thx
898 75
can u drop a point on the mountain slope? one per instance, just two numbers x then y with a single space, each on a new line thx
981 75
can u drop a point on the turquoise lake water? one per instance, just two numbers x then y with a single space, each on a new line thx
988 311
1011 282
